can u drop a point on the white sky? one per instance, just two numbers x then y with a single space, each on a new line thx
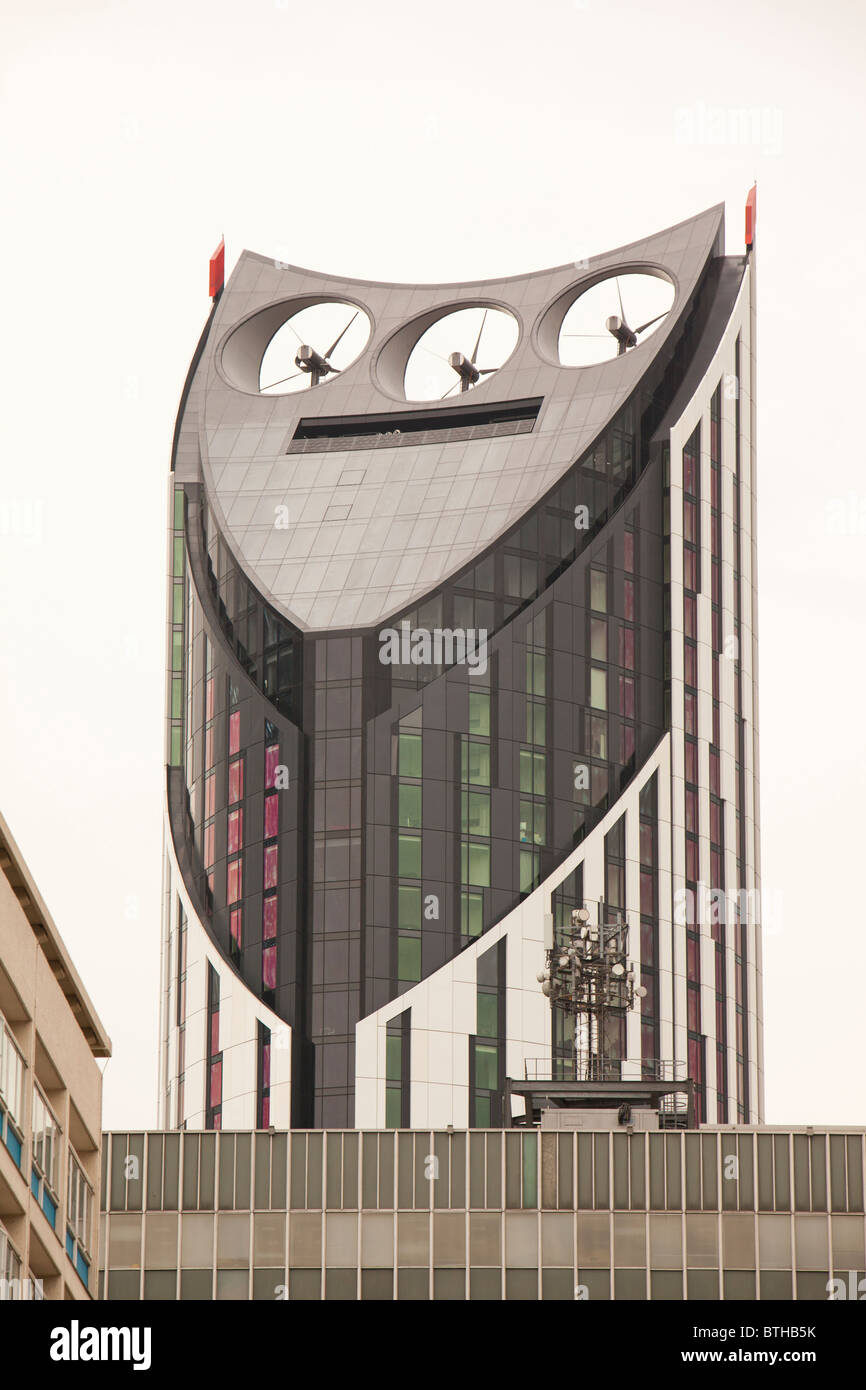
395 141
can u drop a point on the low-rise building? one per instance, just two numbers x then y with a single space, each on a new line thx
50 1100
520 1214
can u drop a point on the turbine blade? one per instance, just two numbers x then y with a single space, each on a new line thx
478 339
650 322
340 336
281 381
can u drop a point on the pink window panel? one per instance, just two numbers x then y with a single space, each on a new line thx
626 647
216 1083
217 1121
272 758
628 551
266 1112
692 860
236 831
208 747
692 762
689 473
692 811
272 815
209 699
626 697
714 773
646 844
627 742
694 1011
234 889
691 665
236 924
266 1065
208 846
691 712
715 822
234 732
236 780
269 967
647 944
269 918
693 964
646 893
628 595
209 795
689 512
690 569
214 1034
271 866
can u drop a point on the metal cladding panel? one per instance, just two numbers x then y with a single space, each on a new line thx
316 571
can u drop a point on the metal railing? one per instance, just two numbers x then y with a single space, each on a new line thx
585 1066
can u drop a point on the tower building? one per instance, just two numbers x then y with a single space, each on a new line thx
461 639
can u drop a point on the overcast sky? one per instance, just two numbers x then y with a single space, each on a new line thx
398 141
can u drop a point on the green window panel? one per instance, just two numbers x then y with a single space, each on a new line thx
409 856
176 745
177 651
409 755
393 1058
471 914
533 779
176 698
409 805
488 1016
598 590
535 673
177 603
475 861
598 688
393 1108
409 908
178 557
533 823
536 722
479 712
475 762
486 1067
476 813
178 509
409 958
598 639
528 869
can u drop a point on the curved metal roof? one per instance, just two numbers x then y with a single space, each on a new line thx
372 529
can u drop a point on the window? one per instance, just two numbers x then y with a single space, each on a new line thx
471 914
44 1148
479 712
598 639
598 688
79 1218
476 813
11 1078
10 1270
532 773
475 864
409 805
408 908
409 856
408 959
476 762
409 755
598 590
